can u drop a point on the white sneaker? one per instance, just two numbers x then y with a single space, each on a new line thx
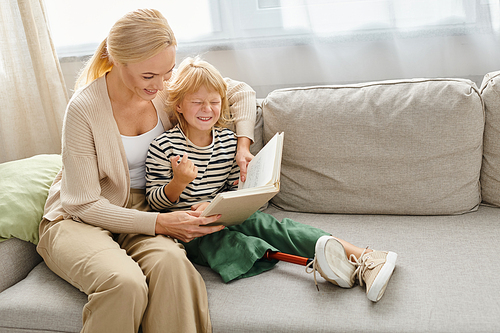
331 261
375 269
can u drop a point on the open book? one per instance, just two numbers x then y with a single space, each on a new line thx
262 183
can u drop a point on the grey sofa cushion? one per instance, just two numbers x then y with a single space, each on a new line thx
17 259
490 172
42 302
444 280
394 147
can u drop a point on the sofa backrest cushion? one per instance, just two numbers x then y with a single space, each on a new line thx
394 147
490 172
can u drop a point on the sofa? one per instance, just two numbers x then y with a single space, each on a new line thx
411 166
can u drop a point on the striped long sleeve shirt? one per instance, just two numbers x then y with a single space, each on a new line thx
217 168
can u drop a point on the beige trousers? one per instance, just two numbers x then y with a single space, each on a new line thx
130 280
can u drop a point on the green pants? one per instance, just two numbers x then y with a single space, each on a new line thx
235 251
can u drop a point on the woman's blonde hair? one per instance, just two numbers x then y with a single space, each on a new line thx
192 74
137 36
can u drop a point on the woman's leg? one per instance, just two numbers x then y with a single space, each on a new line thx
177 294
89 259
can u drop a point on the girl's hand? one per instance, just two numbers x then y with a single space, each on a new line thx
200 207
185 225
184 171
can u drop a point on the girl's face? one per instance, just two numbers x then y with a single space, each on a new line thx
145 78
201 110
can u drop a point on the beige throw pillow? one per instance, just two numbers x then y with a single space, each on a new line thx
393 147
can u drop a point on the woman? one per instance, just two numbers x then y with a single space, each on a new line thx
98 232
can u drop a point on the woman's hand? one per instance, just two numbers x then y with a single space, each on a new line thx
243 156
185 225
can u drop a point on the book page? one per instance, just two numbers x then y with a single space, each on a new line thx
262 167
262 184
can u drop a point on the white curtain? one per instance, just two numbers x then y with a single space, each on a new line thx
272 44
33 95
284 43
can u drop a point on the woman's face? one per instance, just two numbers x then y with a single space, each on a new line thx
146 78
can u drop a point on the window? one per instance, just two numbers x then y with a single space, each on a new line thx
327 18
77 27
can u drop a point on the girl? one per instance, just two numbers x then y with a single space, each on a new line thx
192 162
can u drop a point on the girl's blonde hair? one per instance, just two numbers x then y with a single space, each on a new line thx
137 36
192 74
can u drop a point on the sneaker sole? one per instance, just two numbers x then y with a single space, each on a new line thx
382 277
342 276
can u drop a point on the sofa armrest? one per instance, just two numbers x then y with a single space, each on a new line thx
17 259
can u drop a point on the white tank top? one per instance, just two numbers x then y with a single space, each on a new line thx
136 149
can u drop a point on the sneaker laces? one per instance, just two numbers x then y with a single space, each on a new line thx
362 264
312 268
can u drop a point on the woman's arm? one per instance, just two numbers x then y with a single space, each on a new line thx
186 225
243 156
242 104
94 187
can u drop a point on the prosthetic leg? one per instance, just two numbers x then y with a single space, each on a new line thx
270 255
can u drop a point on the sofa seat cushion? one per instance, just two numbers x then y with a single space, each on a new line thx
394 147
42 302
17 259
444 280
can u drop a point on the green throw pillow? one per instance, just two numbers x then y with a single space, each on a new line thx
24 188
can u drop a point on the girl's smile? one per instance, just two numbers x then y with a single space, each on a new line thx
201 110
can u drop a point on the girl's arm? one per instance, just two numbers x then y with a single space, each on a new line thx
184 172
158 174
232 181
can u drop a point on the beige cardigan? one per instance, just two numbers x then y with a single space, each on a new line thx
93 185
